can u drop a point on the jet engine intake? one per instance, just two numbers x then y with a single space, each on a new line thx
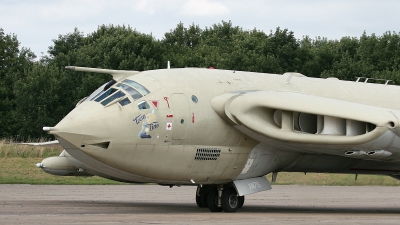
304 118
318 124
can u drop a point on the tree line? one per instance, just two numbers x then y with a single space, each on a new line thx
40 92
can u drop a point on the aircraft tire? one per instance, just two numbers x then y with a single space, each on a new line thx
230 200
241 201
203 199
212 201
198 201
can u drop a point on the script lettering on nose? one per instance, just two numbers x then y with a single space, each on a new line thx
139 118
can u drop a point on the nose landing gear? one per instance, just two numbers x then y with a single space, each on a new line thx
219 198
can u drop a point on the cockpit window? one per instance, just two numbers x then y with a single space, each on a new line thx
143 105
135 94
105 94
109 84
100 90
138 86
124 102
117 95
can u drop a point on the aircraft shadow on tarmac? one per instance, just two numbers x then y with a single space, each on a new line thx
112 207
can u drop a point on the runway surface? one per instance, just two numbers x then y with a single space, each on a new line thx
152 204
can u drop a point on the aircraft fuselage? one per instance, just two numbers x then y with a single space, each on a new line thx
180 132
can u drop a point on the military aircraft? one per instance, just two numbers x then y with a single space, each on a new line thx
224 130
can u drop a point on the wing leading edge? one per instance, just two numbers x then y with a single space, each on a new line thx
303 119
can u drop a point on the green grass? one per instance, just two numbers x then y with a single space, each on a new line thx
17 166
17 170
9 149
334 179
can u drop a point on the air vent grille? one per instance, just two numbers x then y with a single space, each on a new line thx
207 153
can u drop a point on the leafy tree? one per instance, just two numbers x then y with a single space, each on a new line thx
66 43
120 47
35 94
13 64
42 99
181 46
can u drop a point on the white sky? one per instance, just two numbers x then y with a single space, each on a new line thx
36 23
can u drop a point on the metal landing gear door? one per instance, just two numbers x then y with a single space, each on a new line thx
252 185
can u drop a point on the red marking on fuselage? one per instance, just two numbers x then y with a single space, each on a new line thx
155 103
166 99
169 126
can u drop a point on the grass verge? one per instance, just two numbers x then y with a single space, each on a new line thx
17 166
23 171
330 179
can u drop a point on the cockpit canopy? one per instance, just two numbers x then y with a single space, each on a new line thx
123 92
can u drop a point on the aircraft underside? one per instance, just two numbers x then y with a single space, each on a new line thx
223 195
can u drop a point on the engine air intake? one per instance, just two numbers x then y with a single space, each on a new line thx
320 124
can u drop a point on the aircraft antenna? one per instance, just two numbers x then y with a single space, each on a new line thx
168 65
290 75
288 78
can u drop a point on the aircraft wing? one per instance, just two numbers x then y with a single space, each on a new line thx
50 144
309 123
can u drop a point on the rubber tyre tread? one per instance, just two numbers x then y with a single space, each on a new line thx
226 194
211 201
203 199
198 201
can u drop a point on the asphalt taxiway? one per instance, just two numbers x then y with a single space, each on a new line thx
153 204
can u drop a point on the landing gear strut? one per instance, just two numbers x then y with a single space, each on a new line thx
219 198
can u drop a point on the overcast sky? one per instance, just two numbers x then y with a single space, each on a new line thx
36 23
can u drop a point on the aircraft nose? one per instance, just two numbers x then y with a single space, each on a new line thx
87 122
